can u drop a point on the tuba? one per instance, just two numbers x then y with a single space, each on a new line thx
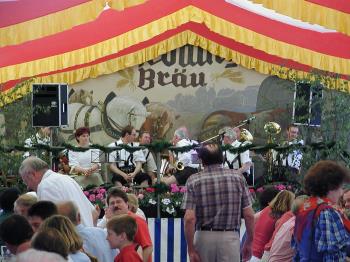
272 129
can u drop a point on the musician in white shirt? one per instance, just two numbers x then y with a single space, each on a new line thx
240 162
181 139
289 163
126 167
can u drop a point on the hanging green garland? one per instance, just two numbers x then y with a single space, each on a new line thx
161 145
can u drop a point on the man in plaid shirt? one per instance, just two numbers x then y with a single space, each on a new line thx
215 201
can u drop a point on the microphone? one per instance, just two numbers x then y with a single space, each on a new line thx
248 120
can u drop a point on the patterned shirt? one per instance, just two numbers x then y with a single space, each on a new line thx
292 159
331 237
218 196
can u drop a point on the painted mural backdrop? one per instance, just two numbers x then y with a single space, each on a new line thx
188 86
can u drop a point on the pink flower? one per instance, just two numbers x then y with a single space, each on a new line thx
183 189
174 188
140 196
280 187
92 198
150 189
99 196
260 189
125 189
86 193
102 191
251 190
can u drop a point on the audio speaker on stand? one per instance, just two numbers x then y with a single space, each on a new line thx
50 105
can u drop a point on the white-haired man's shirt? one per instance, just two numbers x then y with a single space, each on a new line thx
59 188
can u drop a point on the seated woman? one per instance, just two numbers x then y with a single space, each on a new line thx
265 224
80 162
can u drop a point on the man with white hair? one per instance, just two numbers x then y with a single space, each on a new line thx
55 187
240 162
181 139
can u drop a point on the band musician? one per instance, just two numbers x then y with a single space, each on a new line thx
287 164
241 161
126 166
149 166
185 160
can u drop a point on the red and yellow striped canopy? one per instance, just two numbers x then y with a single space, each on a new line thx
72 40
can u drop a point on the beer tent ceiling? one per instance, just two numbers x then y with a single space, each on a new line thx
72 40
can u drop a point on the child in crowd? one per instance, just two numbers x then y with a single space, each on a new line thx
121 231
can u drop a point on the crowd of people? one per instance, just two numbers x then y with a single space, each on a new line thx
54 220
310 227
56 227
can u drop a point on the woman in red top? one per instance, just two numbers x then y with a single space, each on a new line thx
265 224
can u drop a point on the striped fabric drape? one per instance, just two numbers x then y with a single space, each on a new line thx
168 239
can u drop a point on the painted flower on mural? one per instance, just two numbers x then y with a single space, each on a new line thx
127 78
229 74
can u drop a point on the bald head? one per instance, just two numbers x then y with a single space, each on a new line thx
70 210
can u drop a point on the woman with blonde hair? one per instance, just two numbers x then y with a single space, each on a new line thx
23 203
265 224
134 205
50 240
69 235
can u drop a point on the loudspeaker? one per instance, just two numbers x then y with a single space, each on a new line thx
307 104
50 105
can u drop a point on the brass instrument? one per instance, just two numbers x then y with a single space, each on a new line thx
179 166
169 166
164 167
246 136
272 129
